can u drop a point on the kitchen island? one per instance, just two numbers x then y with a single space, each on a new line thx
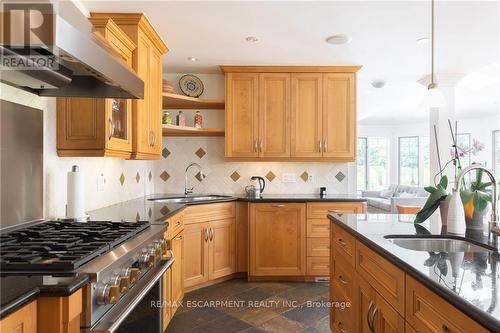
395 283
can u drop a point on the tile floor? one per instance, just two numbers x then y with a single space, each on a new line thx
241 306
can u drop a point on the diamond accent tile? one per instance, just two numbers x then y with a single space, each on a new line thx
304 176
235 176
137 177
165 152
164 176
270 176
340 176
122 179
164 210
138 217
150 176
200 153
199 176
150 212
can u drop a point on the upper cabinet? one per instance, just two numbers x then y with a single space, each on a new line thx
290 113
114 127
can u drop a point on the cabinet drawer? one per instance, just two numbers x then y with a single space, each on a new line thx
428 312
319 210
387 279
175 224
318 247
318 266
342 316
343 243
318 228
209 212
342 275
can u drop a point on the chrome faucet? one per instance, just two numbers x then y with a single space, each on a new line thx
494 227
186 189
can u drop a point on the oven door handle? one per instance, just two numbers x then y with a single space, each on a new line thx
113 319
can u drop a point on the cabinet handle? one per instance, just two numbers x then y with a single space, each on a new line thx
206 235
153 138
178 223
445 328
111 128
261 149
255 148
278 206
211 233
341 279
320 146
178 237
370 306
372 320
341 242
340 325
325 148
336 211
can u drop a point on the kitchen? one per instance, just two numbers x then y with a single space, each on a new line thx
154 182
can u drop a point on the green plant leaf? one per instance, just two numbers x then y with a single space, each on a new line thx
429 189
480 201
483 186
429 208
444 182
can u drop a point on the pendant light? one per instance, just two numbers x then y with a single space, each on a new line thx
435 96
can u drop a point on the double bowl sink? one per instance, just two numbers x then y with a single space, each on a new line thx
437 244
190 199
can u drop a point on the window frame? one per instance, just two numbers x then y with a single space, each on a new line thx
365 138
418 157
494 133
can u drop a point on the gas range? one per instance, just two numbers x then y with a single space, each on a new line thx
121 259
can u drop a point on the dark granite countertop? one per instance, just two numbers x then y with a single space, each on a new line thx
18 290
468 280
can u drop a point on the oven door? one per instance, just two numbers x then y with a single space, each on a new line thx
140 310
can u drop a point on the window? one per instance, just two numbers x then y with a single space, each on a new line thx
425 151
496 152
409 160
372 163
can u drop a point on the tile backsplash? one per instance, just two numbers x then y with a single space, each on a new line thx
231 177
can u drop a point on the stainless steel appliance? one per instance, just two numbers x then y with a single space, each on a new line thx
125 261
65 59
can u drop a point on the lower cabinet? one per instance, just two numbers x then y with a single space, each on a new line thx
277 239
166 295
23 320
177 244
210 251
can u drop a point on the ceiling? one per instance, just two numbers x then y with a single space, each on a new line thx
384 35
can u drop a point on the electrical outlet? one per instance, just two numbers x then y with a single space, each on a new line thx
288 178
101 182
310 179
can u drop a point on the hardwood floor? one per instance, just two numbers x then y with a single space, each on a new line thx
241 306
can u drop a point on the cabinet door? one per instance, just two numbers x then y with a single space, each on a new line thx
339 116
385 318
23 320
306 115
277 239
222 248
195 254
155 103
242 112
364 303
167 297
177 271
274 112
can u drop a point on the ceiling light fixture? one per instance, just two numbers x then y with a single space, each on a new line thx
378 84
251 39
193 59
338 39
435 96
423 41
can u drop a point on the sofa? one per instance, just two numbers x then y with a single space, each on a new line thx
396 195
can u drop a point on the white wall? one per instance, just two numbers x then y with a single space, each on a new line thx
56 168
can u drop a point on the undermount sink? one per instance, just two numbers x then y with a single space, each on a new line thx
191 199
442 244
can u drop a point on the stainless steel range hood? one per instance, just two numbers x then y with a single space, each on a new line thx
67 60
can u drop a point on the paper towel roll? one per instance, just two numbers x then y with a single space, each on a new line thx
75 208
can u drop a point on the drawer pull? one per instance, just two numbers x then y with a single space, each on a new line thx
341 242
341 279
336 211
278 206
340 325
179 238
178 223
445 328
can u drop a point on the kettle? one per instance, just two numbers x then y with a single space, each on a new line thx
259 185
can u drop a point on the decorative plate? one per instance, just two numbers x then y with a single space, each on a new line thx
191 85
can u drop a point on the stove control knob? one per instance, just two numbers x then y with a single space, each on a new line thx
135 273
108 294
124 280
162 244
153 257
144 259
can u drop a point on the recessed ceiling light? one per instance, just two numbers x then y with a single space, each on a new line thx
251 39
338 39
378 84
193 59
424 40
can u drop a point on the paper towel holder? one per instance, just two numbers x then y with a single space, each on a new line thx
84 218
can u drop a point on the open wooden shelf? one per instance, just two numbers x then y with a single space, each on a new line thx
175 101
173 130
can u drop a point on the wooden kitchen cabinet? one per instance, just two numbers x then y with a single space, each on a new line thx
147 62
98 127
222 250
307 115
290 113
177 271
277 239
23 320
60 314
196 254
166 294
